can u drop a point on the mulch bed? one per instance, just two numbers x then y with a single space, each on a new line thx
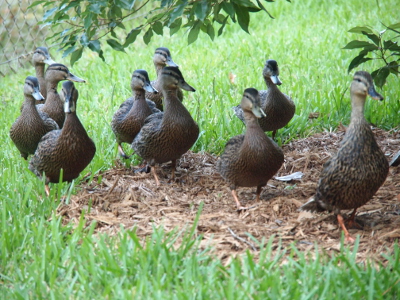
134 201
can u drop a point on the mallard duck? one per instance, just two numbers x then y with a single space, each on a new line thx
162 57
354 174
54 106
130 116
278 107
250 159
165 136
69 149
41 57
31 125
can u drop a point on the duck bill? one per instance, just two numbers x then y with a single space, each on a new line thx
149 88
275 80
67 104
37 95
72 77
374 94
184 85
49 61
258 112
171 63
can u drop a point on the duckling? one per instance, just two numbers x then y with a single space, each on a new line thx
54 105
162 57
41 57
165 136
130 116
352 176
250 159
69 149
31 125
278 107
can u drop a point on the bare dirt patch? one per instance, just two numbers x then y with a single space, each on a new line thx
134 201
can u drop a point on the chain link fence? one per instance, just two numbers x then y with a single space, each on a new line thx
20 34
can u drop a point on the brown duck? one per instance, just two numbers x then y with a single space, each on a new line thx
250 159
162 57
54 106
40 58
165 136
355 173
69 149
31 125
278 107
129 118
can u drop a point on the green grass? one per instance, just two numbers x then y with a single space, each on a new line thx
41 258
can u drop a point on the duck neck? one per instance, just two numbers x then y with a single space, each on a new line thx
158 68
173 108
139 102
73 126
39 69
357 108
269 82
52 86
29 108
254 133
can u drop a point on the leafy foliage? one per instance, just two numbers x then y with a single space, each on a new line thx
86 23
376 47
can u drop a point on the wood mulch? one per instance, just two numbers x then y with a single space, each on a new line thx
122 197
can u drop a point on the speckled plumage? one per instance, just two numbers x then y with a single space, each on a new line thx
278 107
70 148
162 57
129 118
54 106
253 158
355 173
31 125
167 135
40 58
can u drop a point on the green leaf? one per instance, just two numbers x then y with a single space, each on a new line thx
194 32
228 8
380 76
95 46
263 8
394 67
115 45
95 7
49 12
243 17
357 44
36 3
68 51
87 21
244 3
200 9
131 37
360 29
394 26
358 60
84 40
211 31
157 28
390 45
221 29
175 26
177 12
373 37
76 55
147 36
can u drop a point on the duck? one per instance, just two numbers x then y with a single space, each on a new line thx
129 118
167 135
162 57
54 106
352 176
278 107
395 160
252 158
69 149
40 58
31 125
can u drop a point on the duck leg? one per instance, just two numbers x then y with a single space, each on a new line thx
347 236
239 206
351 222
274 134
173 165
47 189
154 172
258 193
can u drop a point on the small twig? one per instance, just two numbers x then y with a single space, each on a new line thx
242 240
113 186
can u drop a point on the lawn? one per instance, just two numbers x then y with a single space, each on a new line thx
44 257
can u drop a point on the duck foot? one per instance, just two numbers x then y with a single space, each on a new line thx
122 153
352 223
347 236
143 169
